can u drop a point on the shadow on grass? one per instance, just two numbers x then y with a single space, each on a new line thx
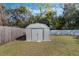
22 38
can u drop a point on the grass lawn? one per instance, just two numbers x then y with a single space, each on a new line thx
59 45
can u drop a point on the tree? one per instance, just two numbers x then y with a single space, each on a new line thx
71 13
24 14
49 16
2 15
58 23
19 16
46 10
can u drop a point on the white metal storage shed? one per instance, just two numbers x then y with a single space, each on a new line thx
37 32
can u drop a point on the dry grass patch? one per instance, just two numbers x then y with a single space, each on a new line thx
59 45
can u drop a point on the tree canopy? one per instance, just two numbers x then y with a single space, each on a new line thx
22 16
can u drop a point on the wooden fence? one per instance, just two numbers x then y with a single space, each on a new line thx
8 34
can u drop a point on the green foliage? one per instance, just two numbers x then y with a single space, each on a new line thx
20 23
71 15
22 9
58 23
46 14
21 16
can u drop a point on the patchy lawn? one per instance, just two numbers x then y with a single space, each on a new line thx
59 45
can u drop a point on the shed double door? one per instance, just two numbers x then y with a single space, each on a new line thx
37 34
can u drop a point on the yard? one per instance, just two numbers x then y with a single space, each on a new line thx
59 46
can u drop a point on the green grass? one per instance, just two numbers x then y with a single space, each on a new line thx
59 45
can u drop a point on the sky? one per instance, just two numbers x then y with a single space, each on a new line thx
35 9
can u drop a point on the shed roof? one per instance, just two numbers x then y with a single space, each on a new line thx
37 25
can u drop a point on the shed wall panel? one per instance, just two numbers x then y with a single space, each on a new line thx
28 34
37 34
46 34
